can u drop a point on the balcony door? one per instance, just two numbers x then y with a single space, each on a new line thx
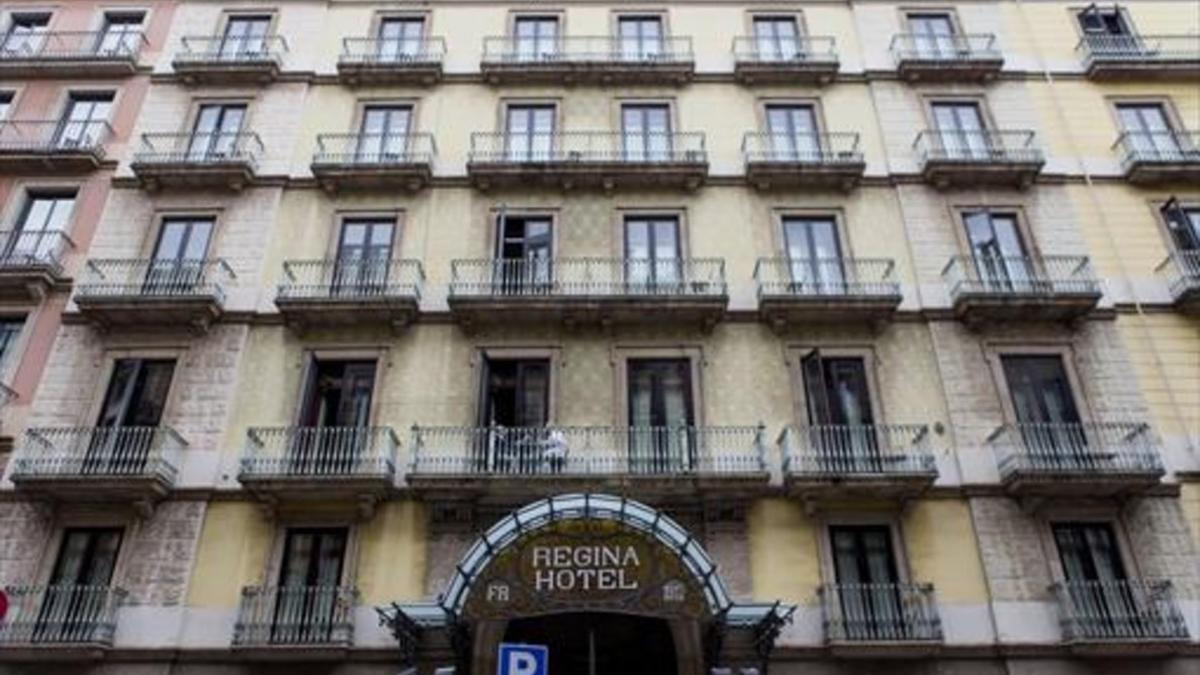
514 409
1045 409
39 236
653 259
400 39
777 38
661 416
932 36
961 132
535 38
383 133
529 133
641 37
814 255
307 604
840 414
121 34
998 251
364 257
646 133
245 36
1107 32
1096 581
78 593
793 130
1148 131
177 266
129 416
1184 225
335 416
10 330
26 34
84 120
865 570
524 255
215 133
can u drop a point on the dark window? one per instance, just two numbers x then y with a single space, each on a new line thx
1089 552
6 99
137 393
1045 409
1096 20
245 36
640 36
400 37
338 394
121 34
79 584
776 37
661 417
524 248
646 132
865 568
1183 224
536 37
26 33
516 393
652 252
215 133
306 608
814 254
836 391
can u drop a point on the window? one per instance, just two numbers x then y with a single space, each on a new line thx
178 261
1044 406
932 35
26 34
306 609
641 37
383 133
661 418
1096 580
10 330
400 38
133 407
78 585
216 131
1096 20
536 37
1147 130
121 34
793 130
646 132
960 130
777 38
516 393
1001 260
530 133
40 231
6 99
245 36
1184 225
338 394
836 390
524 249
84 120
813 253
364 255
652 252
865 569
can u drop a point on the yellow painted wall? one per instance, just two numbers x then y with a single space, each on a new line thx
783 551
942 550
235 543
391 558
1165 350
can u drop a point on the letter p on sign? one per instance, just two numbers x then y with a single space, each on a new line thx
523 660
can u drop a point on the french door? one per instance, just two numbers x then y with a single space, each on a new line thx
646 133
793 130
179 257
1096 583
41 228
932 36
842 421
514 410
215 133
661 418
84 120
641 37
1148 132
399 39
961 132
383 134
529 134
536 38
334 417
308 595
868 591
814 255
652 255
524 249
78 592
245 36
364 257
132 410
1044 406
777 38
998 251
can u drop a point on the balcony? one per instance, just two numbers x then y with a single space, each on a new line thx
136 465
1120 617
313 622
1077 459
785 61
291 466
978 158
878 461
516 463
816 160
947 58
1044 288
52 146
1144 57
374 161
350 292
63 617
880 620
588 290
1157 157
1181 270
600 60
74 54
154 292
794 292
31 264
391 61
588 159
223 61
199 160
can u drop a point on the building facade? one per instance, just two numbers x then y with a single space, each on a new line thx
827 337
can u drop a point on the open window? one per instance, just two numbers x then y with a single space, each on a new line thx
1183 224
1103 20
514 409
524 254
335 417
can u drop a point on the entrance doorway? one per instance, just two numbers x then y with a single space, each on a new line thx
591 643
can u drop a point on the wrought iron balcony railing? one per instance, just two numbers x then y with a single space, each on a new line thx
1158 147
74 46
1086 449
43 248
586 49
394 52
99 452
1124 610
155 279
820 149
49 137
588 277
899 612
295 616
587 451
1012 276
826 277
1152 49
319 452
351 280
1181 270
200 149
219 49
807 50
843 450
64 614
583 147
374 151
977 147
945 49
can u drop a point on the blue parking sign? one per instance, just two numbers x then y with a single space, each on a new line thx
523 660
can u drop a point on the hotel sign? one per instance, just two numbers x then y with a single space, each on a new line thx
578 565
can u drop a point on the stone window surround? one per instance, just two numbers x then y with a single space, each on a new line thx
619 101
84 516
621 354
794 353
994 350
239 12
